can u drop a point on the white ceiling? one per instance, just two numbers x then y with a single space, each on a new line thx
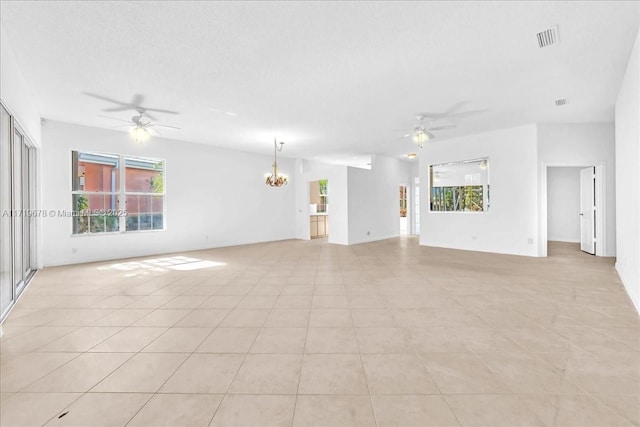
335 80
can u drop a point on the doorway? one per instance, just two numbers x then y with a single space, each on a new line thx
574 207
319 209
404 223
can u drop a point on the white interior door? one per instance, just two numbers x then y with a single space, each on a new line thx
587 210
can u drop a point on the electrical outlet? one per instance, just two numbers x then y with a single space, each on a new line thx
530 241
74 250
474 237
368 233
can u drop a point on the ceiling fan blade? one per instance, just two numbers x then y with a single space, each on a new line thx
442 127
104 98
121 126
448 112
158 110
114 118
456 107
433 115
163 126
117 109
468 113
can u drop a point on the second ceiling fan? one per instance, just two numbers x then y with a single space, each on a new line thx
421 133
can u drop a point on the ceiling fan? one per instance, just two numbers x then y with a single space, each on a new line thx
421 133
135 104
141 126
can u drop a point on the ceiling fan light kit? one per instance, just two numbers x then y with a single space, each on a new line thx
140 134
421 135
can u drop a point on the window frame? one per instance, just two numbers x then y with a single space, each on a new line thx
120 193
485 187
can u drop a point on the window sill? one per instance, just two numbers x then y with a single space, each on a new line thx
114 233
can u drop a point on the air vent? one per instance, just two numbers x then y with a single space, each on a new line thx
548 37
561 102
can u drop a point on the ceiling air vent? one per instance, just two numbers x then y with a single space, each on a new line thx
561 102
548 37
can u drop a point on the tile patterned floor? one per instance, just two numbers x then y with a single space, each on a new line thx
310 334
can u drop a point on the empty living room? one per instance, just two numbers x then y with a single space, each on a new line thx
319 213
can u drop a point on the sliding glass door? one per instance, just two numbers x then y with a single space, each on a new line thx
6 284
17 203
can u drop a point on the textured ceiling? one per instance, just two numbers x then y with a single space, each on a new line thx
335 80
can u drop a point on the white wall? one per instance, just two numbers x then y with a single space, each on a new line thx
511 225
627 147
581 144
307 171
563 204
16 93
374 199
214 197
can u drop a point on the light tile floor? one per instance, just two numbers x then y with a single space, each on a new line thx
307 333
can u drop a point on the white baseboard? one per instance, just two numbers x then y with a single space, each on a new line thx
635 300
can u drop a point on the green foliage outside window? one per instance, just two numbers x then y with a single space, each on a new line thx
462 198
323 186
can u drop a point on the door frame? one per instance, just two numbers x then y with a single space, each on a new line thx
600 201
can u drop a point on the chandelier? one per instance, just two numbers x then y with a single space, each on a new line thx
275 179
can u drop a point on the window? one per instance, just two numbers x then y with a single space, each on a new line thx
98 193
460 186
144 191
403 201
324 195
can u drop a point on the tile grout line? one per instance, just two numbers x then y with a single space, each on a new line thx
364 372
304 352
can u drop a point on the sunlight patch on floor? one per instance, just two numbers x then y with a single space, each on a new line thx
179 263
